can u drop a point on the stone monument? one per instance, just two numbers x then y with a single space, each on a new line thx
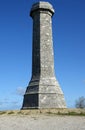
43 90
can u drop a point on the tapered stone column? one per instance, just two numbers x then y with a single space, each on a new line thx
43 90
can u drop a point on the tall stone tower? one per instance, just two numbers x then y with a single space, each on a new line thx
43 90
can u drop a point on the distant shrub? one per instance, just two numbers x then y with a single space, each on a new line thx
80 103
11 112
2 112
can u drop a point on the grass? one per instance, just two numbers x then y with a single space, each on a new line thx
72 113
10 112
2 112
67 112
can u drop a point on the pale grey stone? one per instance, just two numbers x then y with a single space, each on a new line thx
43 90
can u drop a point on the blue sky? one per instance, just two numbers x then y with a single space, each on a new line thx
16 49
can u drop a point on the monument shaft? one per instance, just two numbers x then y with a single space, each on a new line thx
43 64
43 90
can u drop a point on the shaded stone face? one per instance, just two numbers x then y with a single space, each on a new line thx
43 90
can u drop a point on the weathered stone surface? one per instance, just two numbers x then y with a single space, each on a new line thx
43 90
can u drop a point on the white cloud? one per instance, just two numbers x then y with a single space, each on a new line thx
20 91
4 101
84 81
9 105
1 103
15 102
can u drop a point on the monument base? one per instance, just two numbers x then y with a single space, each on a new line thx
42 95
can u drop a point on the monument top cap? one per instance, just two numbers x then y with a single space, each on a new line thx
42 6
